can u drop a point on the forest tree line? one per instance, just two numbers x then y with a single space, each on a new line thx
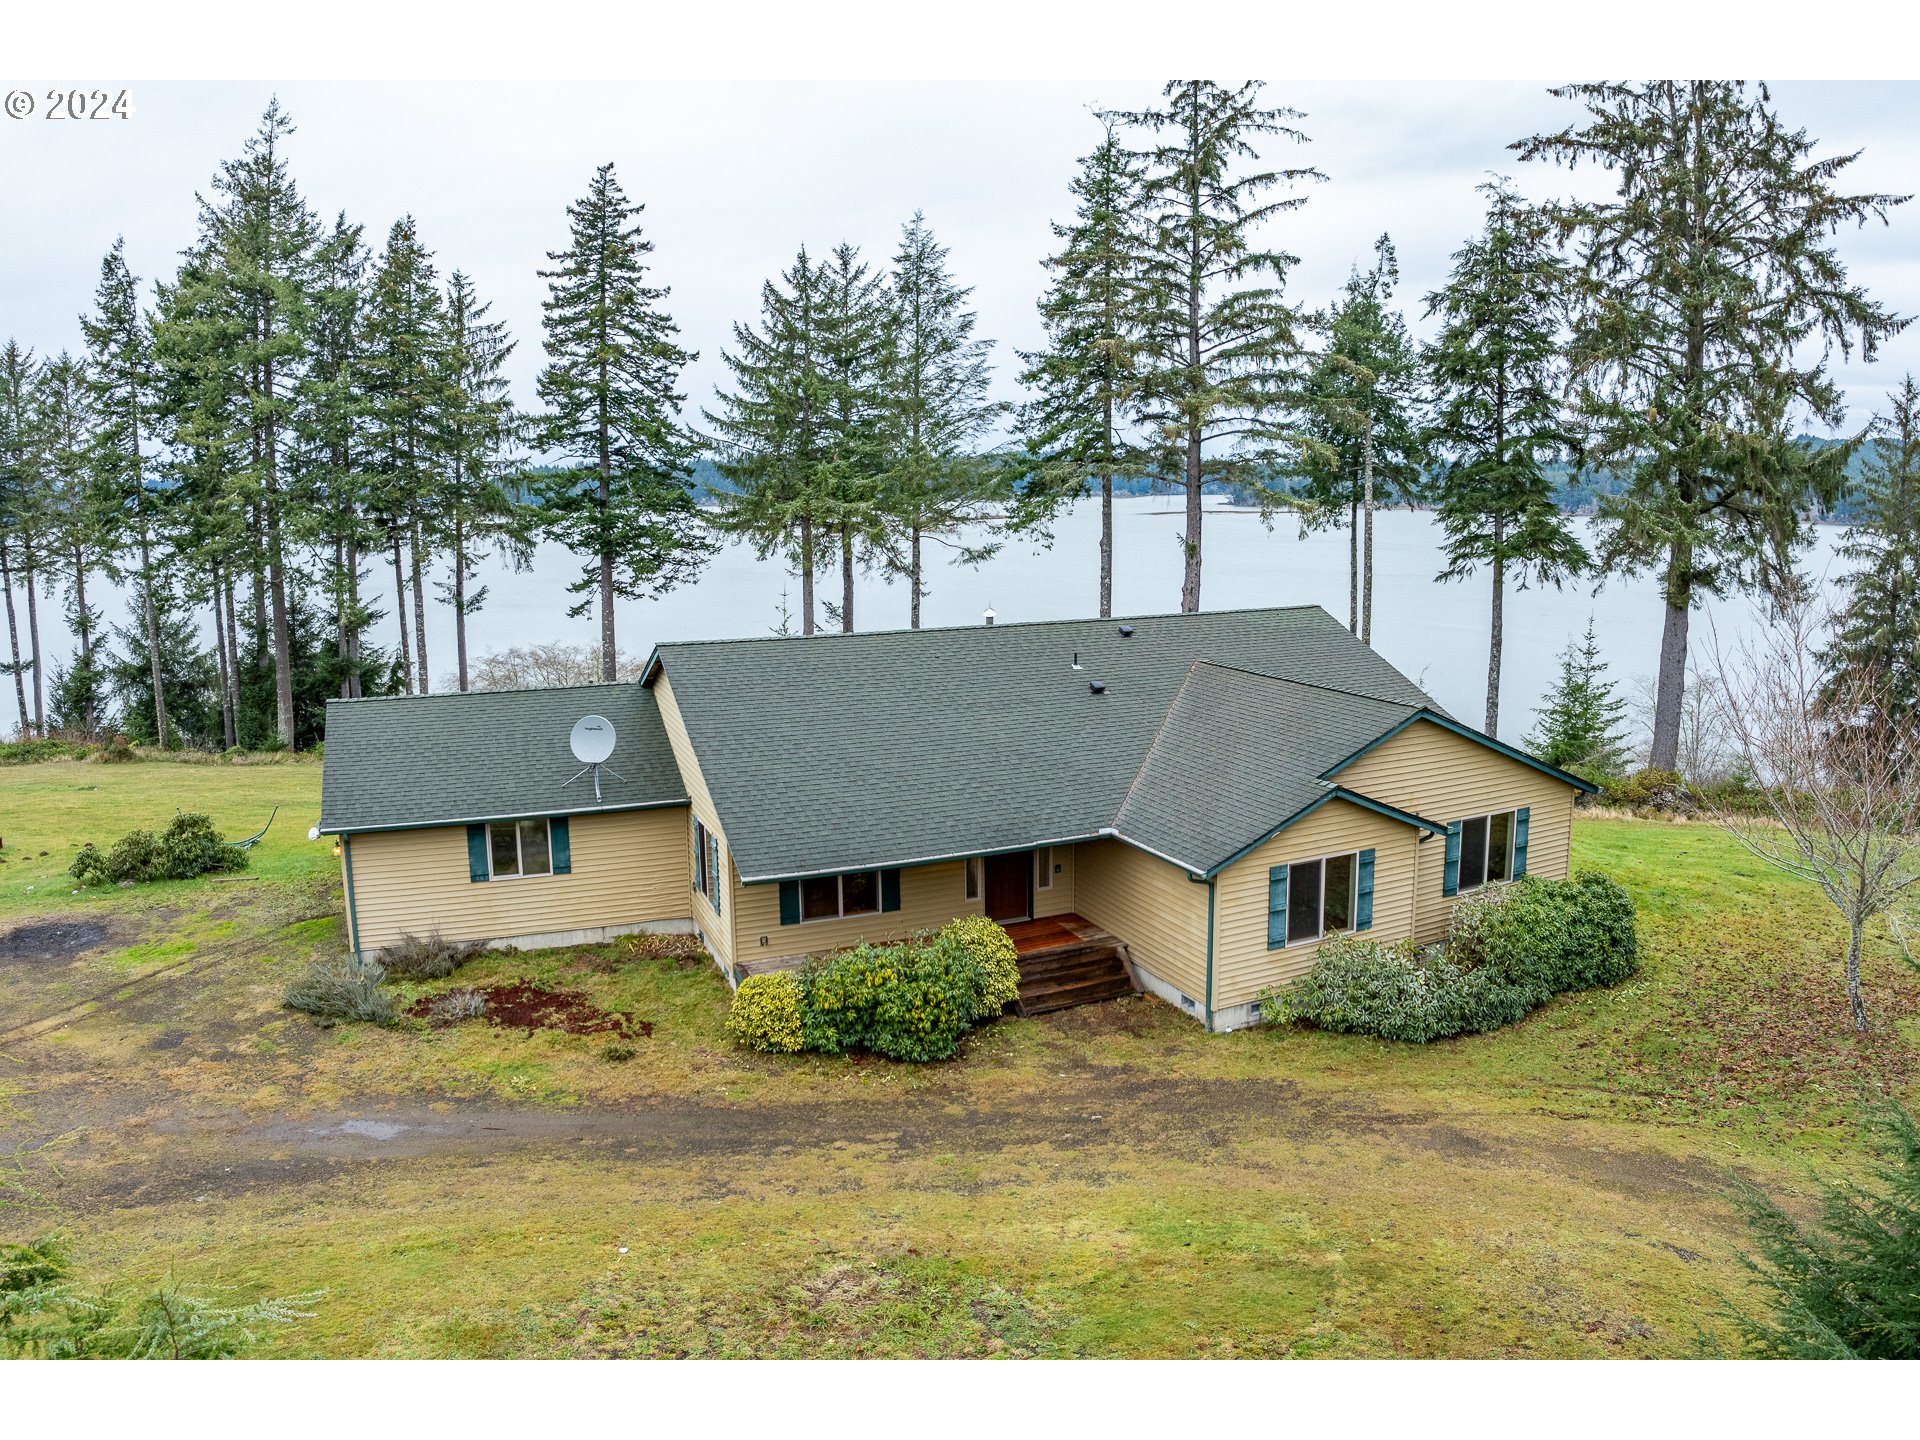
281 441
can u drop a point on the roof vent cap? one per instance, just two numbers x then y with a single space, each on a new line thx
1126 631
989 616
1098 687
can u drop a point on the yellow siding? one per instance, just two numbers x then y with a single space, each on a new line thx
1446 777
718 929
1059 899
1243 966
930 895
629 868
1153 906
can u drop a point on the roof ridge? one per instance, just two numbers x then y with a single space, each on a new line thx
1315 685
847 635
469 694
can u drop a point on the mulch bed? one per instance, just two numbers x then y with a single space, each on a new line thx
523 1005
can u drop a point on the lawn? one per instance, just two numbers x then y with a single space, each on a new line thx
1105 1181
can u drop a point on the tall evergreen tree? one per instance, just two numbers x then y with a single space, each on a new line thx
82 532
121 378
1878 629
1359 402
1706 297
405 393
613 363
936 486
855 314
190 681
475 429
1084 381
1219 353
1495 374
20 500
771 428
1580 723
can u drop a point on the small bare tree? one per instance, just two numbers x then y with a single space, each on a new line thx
1838 773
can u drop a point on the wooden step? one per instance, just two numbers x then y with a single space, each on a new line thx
1083 975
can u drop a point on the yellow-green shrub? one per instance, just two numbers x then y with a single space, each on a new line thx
993 950
766 1014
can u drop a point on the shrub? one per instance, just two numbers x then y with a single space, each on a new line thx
1396 991
411 958
766 1014
993 950
336 990
455 1006
89 866
189 846
908 1002
1663 790
1547 936
135 856
661 945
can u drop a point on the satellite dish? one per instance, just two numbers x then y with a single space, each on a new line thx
314 833
592 739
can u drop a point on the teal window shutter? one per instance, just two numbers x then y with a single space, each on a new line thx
477 870
562 845
1276 907
889 889
1520 842
789 902
713 869
1363 892
1450 877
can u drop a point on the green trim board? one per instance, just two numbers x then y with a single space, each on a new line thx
1337 792
353 918
500 819
1467 732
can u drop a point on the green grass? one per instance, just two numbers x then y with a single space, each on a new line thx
1107 1181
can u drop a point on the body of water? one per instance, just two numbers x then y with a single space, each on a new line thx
1435 632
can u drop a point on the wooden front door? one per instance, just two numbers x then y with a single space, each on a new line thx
1010 886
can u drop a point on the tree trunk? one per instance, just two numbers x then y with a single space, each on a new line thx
354 687
1671 685
806 574
1106 544
914 620
33 645
1496 634
1190 580
220 652
13 637
151 616
89 721
460 602
1353 563
282 636
340 645
400 605
1855 1000
846 580
233 656
609 644
1366 556
419 609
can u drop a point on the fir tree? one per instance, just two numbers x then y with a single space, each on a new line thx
771 428
189 679
854 348
1085 380
1878 629
935 485
1580 725
405 392
475 429
121 380
1495 377
1706 297
20 505
609 385
1219 354
1358 400
81 530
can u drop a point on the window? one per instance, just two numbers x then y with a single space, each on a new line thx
973 878
1309 899
1489 847
830 897
1045 857
519 848
707 872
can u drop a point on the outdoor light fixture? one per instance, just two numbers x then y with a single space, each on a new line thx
336 849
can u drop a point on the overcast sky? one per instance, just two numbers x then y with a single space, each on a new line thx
736 176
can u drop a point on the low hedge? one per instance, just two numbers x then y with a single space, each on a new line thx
909 1001
1509 949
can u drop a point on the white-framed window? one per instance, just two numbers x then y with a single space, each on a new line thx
519 848
1045 858
1320 896
707 871
973 877
834 897
1486 849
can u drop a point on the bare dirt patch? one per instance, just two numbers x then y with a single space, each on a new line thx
529 1006
53 942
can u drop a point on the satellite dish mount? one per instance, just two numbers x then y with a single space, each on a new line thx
592 743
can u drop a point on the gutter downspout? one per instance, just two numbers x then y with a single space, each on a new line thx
1207 1004
353 922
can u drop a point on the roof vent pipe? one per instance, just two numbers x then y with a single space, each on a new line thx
989 615
1126 631
1076 661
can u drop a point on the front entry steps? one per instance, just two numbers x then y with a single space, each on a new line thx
1067 961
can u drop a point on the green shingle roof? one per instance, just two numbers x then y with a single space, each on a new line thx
840 752
414 760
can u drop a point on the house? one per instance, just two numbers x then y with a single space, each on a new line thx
1215 792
